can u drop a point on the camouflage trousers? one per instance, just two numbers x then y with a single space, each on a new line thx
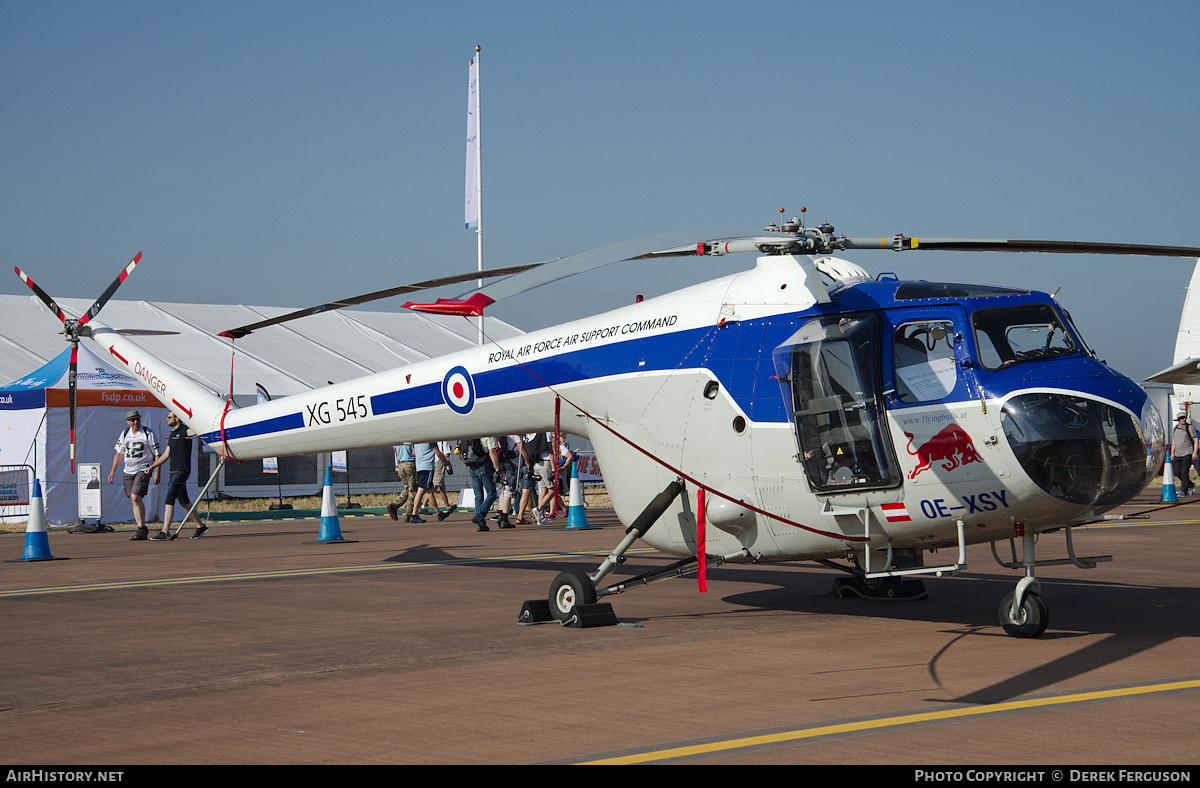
408 477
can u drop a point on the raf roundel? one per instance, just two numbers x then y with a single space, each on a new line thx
458 390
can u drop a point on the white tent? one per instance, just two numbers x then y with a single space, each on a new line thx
285 359
35 431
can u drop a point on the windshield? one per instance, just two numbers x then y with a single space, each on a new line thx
1012 335
1082 450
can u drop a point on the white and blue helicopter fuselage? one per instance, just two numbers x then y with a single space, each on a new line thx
824 410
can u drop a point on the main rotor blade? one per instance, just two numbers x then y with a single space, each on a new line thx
903 243
107 294
522 278
679 244
41 294
238 333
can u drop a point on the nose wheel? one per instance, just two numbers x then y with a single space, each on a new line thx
1030 619
1023 612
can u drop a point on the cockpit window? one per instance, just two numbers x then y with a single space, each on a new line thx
923 355
1011 335
914 290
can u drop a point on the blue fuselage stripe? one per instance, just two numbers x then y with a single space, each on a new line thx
425 396
292 421
733 353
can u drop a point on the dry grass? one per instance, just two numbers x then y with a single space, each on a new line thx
234 505
226 505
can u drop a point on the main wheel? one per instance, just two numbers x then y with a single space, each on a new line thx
1033 620
572 587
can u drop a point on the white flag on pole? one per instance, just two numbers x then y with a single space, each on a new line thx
472 205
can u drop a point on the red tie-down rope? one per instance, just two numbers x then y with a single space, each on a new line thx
686 477
227 452
701 544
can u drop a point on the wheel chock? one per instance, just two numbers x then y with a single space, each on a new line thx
535 611
597 614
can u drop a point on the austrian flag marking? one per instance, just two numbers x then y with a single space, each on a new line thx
895 513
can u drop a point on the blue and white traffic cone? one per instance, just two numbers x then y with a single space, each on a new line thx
1168 487
37 543
576 516
331 529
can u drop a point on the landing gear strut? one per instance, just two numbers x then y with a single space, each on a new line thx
1023 613
865 585
573 594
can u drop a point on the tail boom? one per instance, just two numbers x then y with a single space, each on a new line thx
426 401
197 406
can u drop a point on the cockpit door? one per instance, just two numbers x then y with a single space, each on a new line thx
929 359
830 372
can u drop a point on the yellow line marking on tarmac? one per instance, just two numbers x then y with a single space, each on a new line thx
892 722
280 573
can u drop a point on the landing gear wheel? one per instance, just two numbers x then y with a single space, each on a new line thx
570 588
890 588
1034 618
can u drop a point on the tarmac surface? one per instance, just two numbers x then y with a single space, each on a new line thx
401 645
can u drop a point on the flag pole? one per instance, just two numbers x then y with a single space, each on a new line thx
478 187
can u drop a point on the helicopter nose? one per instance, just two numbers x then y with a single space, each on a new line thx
1084 450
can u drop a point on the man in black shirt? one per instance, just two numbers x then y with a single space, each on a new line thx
179 452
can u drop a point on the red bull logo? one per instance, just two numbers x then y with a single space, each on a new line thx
952 447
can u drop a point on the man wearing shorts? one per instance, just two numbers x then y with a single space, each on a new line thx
424 456
538 448
139 448
441 469
179 452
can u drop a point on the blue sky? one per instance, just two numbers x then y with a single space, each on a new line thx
289 153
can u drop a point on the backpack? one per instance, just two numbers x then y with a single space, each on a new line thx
536 446
472 452
507 451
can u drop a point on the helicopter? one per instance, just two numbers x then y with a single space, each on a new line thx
800 410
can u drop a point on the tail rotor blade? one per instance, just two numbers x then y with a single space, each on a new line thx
112 288
42 295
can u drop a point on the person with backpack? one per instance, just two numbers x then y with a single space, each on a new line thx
537 447
138 447
506 479
482 467
526 483
1185 446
